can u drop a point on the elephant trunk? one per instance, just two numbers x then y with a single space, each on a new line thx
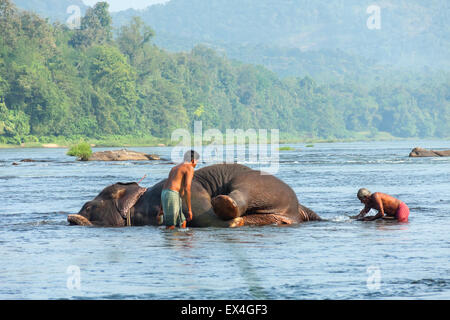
76 219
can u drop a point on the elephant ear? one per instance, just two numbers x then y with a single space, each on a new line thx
125 196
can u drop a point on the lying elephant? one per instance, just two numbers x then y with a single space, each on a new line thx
420 152
223 195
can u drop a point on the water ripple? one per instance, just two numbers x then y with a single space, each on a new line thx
317 260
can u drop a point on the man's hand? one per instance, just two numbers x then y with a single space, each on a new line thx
360 216
160 216
368 218
362 213
189 216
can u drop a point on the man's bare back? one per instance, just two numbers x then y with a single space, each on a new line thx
382 201
176 180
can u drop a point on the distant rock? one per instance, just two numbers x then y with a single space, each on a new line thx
420 152
122 155
32 160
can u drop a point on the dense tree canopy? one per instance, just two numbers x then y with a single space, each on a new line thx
84 83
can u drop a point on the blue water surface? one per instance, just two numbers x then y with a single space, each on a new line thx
41 257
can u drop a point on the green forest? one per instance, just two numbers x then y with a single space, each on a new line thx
95 84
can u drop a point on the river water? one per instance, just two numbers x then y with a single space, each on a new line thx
41 257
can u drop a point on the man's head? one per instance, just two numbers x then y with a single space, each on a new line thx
363 195
191 157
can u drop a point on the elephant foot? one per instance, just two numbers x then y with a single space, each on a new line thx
76 219
266 219
260 220
225 207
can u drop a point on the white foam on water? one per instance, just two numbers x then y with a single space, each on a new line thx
341 218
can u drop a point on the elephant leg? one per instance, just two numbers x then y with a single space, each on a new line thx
203 212
230 206
208 218
260 220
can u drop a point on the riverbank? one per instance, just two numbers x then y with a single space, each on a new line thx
130 141
107 142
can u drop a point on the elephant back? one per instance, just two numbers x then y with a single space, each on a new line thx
216 178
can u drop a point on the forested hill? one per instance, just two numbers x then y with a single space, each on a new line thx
324 39
411 32
84 83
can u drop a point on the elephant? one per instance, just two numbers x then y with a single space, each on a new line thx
222 195
420 152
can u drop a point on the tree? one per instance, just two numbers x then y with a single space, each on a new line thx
8 20
112 75
133 38
3 85
95 27
13 124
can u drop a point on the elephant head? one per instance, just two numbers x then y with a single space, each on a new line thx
111 207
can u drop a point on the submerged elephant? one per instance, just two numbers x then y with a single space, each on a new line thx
420 152
223 195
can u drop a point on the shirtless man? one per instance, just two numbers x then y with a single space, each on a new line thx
388 207
177 187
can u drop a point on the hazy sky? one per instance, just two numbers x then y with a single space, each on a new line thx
117 5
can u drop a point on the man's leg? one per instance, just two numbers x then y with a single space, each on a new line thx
402 213
168 209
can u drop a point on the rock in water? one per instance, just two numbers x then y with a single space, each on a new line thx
122 155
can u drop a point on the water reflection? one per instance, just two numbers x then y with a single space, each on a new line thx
247 270
385 225
178 238
392 225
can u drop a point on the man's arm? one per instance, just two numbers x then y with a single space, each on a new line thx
160 215
363 212
187 193
380 213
